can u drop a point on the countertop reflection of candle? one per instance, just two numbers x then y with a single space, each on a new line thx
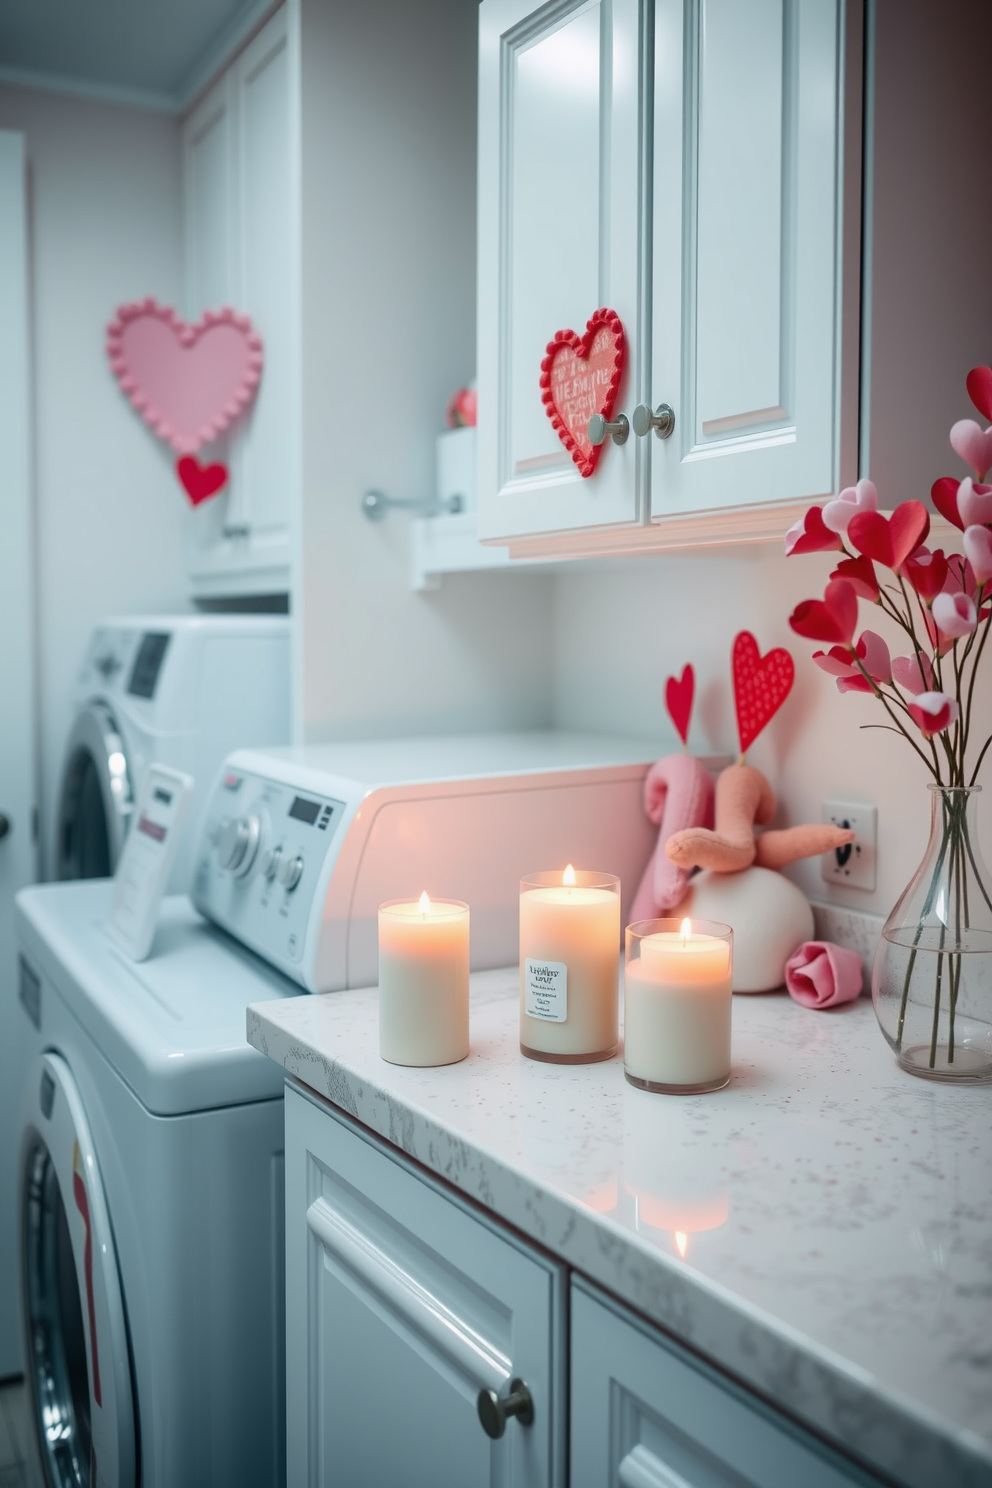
423 981
569 956
677 1001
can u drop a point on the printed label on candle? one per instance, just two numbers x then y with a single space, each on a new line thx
547 990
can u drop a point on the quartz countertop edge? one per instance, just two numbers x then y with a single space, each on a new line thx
465 1123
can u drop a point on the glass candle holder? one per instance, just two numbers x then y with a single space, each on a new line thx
569 965
423 981
678 983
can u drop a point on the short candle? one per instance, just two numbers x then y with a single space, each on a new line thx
569 964
677 1001
423 981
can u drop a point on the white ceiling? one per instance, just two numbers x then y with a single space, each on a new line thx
156 52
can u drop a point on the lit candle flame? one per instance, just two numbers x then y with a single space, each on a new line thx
568 877
686 931
681 1242
425 904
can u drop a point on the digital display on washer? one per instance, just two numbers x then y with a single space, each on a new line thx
148 663
304 810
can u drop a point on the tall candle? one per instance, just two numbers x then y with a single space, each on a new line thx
423 981
677 1001
569 963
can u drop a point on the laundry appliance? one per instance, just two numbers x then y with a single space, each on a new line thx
300 846
150 1201
177 690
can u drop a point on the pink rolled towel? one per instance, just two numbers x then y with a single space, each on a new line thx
822 975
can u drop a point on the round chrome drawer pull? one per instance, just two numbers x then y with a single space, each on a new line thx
599 428
662 420
494 1412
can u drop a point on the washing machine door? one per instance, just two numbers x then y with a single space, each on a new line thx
75 1338
97 798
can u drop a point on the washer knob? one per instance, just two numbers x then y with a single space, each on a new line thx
238 844
273 859
290 872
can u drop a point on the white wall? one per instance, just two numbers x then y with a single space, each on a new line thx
389 332
104 227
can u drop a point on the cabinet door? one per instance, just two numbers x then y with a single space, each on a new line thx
748 148
646 1414
401 1306
559 98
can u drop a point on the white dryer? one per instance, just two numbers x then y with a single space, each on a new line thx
178 690
150 1202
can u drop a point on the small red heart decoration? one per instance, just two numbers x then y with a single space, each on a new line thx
890 540
979 385
761 685
679 694
200 481
814 536
944 495
833 619
580 376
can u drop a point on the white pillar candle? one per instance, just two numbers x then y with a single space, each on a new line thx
677 1001
423 981
569 966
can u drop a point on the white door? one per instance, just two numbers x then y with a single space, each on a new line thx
18 856
560 99
748 141
401 1307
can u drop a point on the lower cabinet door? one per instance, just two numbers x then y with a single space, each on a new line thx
402 1304
647 1414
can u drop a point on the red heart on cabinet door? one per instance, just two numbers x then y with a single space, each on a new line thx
200 481
580 376
761 685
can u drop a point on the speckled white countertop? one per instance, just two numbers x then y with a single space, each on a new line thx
836 1214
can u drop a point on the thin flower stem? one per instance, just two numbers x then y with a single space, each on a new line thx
981 756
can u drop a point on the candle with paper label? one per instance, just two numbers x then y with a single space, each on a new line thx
677 998
423 981
569 962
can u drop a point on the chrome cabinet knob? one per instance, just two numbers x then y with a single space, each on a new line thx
4 824
238 844
662 420
599 427
494 1412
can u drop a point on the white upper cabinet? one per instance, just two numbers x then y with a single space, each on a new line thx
242 250
693 165
558 189
748 134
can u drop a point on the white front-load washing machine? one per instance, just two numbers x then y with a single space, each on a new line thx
180 690
150 1202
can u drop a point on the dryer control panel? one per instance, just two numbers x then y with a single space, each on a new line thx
261 856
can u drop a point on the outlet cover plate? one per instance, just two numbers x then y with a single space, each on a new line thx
853 867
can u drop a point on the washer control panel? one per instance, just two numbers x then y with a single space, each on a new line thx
262 848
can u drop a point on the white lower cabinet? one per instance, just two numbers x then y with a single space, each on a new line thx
401 1306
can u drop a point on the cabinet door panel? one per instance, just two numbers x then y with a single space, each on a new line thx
558 204
209 163
401 1306
646 1415
746 346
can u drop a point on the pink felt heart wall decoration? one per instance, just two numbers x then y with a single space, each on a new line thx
188 382
580 376
761 685
679 694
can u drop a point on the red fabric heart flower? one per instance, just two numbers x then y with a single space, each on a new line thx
833 618
861 573
944 495
927 572
810 535
890 539
979 385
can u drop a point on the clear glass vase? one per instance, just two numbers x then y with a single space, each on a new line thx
932 975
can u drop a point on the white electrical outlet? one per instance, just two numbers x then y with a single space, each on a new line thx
853 865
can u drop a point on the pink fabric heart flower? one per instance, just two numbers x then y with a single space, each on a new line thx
978 549
974 503
862 497
955 614
932 712
822 975
973 444
809 535
913 673
873 654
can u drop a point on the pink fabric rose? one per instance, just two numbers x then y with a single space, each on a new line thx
823 975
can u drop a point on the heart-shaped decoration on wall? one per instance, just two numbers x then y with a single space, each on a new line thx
200 482
761 685
580 376
679 694
188 382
